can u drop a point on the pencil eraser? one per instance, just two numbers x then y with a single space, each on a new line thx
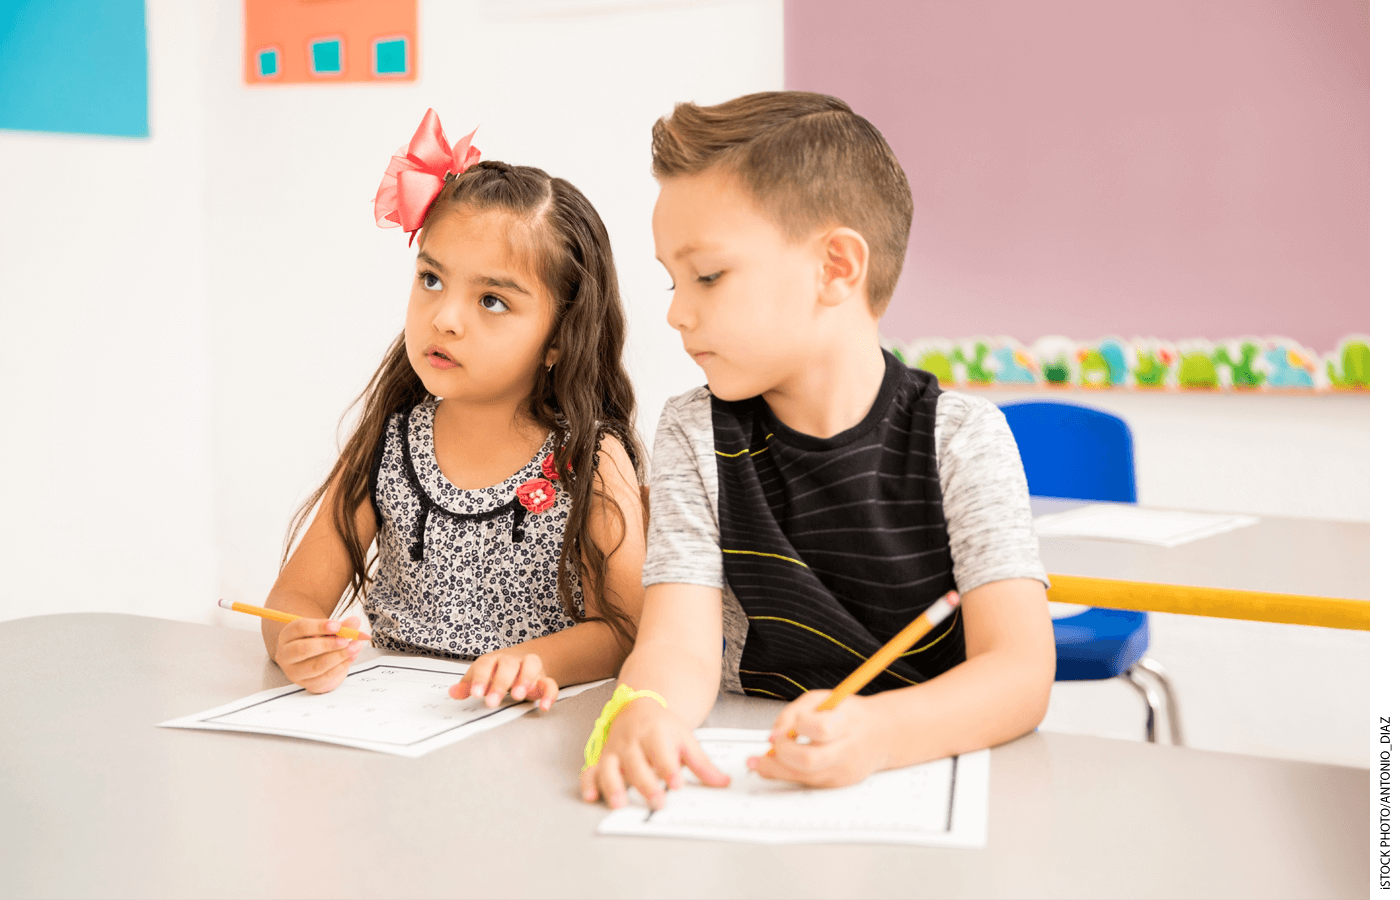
226 604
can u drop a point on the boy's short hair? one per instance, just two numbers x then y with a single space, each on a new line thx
809 162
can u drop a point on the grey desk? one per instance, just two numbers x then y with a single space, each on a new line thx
97 801
1313 557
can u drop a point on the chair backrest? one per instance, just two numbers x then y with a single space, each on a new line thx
1073 451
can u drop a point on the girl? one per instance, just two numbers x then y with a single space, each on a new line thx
494 465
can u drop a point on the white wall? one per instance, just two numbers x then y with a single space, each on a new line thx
183 320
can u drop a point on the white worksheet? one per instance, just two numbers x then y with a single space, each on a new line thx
1118 522
396 704
941 803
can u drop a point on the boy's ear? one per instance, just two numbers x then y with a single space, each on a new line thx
845 265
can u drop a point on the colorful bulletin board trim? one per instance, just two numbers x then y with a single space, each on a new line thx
1144 364
329 41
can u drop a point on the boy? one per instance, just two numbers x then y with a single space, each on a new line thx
817 494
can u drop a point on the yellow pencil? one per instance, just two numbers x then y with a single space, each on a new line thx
887 654
277 615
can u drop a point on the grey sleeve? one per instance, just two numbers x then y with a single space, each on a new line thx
683 537
985 501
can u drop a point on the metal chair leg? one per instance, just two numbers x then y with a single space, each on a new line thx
1173 709
1148 689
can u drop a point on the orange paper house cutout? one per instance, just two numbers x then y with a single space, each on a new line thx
329 41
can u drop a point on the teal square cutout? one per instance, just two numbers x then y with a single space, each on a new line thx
391 57
268 63
325 56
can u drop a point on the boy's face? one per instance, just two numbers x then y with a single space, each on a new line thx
745 295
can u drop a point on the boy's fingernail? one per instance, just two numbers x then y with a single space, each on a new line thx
752 761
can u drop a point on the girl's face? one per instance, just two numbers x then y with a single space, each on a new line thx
478 317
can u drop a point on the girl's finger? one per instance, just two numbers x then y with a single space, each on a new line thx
328 680
298 651
481 672
546 691
506 669
530 670
318 666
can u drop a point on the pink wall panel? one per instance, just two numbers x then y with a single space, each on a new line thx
1166 168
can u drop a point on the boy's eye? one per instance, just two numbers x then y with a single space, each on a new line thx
430 281
709 279
492 303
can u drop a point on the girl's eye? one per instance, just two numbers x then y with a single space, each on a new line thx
492 303
430 281
709 279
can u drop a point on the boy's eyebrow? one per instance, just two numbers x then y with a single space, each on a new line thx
687 249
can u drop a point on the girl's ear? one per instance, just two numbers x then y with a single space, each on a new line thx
845 265
551 356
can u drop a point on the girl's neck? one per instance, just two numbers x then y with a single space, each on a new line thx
479 445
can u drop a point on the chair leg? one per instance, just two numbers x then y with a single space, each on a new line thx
1148 689
1173 709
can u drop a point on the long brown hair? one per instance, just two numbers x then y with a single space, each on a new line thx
584 396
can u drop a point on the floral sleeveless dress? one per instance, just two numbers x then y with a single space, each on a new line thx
462 573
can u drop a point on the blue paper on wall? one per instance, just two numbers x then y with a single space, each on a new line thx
74 66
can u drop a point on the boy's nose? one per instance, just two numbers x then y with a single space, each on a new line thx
679 315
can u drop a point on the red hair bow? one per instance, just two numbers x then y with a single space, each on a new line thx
417 173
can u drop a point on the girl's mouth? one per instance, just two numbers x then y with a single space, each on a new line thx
440 360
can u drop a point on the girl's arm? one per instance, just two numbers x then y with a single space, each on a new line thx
999 693
311 584
589 650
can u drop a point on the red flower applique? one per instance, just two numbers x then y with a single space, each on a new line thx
549 470
536 495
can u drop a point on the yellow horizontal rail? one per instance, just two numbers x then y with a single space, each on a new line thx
1258 606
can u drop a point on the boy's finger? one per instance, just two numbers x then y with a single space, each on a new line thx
611 787
588 784
665 759
769 766
529 673
639 773
696 761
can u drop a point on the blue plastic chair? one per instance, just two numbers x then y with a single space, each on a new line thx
1078 453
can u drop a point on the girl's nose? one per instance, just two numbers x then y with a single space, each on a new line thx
450 318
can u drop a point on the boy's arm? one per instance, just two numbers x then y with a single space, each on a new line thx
999 693
677 655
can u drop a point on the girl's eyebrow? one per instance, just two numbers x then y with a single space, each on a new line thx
503 283
425 258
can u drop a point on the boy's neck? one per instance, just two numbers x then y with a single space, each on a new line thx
833 394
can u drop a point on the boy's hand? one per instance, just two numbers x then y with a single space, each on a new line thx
312 655
842 745
646 748
493 676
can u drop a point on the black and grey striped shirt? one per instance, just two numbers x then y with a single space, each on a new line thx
825 548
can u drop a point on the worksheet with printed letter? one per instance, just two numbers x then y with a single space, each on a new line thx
941 803
393 704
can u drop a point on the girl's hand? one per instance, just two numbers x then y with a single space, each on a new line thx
493 675
646 748
312 655
842 746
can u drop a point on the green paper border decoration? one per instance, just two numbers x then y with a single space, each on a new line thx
1248 364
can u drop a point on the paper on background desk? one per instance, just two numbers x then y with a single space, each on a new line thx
936 804
392 704
1116 522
